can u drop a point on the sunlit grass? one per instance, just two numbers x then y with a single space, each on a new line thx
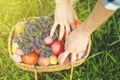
103 62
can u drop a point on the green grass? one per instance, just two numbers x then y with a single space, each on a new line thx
103 62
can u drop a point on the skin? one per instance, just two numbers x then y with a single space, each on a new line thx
77 40
64 16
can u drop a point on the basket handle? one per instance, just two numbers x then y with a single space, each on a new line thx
36 76
71 72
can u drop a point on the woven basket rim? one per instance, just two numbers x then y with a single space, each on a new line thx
50 68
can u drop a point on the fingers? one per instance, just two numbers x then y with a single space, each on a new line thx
62 57
73 25
81 53
62 31
53 29
67 30
73 57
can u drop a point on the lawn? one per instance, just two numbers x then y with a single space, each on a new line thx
103 62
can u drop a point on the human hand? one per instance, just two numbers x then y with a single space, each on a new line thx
76 44
64 16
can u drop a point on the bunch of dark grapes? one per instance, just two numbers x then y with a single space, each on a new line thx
33 36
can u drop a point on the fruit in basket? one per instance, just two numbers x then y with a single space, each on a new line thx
30 59
35 35
19 52
19 28
43 61
48 40
16 58
37 51
14 47
53 59
77 23
57 47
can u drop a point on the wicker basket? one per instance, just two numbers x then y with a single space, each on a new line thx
50 68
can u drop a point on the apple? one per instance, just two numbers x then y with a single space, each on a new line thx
57 47
43 61
19 52
14 47
16 58
53 59
48 40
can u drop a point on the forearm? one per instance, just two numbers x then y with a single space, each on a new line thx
98 16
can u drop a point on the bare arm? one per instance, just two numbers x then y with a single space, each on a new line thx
64 16
78 39
98 16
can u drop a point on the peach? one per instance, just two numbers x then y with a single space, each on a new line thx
43 61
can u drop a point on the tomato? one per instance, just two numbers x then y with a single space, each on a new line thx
30 58
37 51
57 47
77 23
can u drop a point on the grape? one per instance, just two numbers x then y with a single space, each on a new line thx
50 16
31 22
35 47
25 41
31 39
31 44
41 41
15 40
54 37
47 48
42 51
31 29
39 26
37 43
20 45
43 24
41 18
45 20
47 53
37 39
23 34
26 32
37 19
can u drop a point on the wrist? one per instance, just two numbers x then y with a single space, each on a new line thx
84 29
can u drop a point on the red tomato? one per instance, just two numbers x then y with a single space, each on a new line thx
30 58
57 47
36 51
77 23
